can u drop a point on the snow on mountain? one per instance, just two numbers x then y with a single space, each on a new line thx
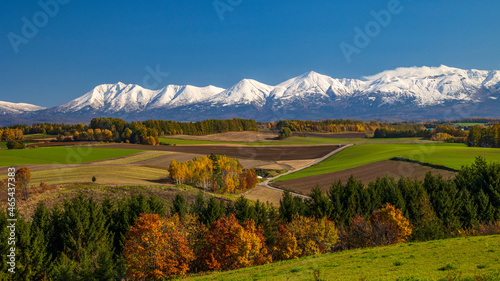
247 91
128 98
419 90
173 96
426 86
310 84
17 108
111 98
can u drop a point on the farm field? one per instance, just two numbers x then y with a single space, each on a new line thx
449 259
60 155
269 138
329 140
105 174
271 153
365 174
450 155
468 124
177 141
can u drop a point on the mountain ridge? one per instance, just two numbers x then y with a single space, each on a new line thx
421 92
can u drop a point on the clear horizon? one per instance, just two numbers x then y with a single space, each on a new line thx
54 51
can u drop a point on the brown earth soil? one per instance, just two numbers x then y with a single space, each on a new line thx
267 153
365 173
321 135
264 194
230 137
333 136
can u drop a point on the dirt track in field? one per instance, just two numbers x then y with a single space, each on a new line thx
266 153
365 173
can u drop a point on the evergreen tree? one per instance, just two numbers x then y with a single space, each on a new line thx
287 207
199 205
243 211
468 210
319 205
485 212
336 196
213 211
180 206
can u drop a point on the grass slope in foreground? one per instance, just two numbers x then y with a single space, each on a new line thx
423 261
447 154
60 155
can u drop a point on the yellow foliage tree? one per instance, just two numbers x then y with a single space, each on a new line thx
314 236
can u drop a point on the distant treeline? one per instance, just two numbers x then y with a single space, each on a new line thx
437 133
9 134
484 136
147 132
486 121
339 125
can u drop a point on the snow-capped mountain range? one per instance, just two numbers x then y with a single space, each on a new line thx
404 93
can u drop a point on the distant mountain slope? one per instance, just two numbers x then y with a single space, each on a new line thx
17 108
404 94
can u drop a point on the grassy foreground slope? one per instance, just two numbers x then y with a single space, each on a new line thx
423 261
60 155
447 154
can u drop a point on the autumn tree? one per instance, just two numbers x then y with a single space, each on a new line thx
314 236
230 245
386 226
286 246
23 178
390 226
156 248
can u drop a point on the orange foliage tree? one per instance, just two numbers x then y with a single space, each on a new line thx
229 245
386 226
157 248
23 177
286 246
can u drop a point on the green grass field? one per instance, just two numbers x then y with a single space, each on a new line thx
465 257
449 155
60 155
468 124
37 136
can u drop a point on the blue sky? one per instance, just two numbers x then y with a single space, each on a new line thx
81 44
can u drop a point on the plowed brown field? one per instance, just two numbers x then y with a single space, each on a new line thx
270 153
365 173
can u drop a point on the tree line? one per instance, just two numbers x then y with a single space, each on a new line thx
484 136
217 173
339 125
118 130
11 134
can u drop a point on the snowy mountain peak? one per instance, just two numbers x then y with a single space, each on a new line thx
247 91
311 95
